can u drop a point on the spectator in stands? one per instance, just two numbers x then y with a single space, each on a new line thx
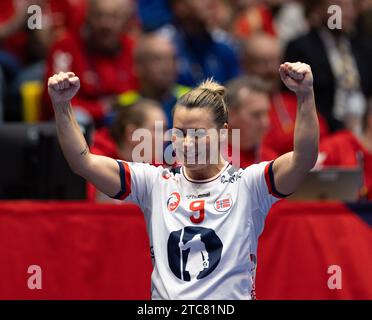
13 38
72 14
250 17
68 14
200 52
117 142
341 63
249 104
364 9
288 19
156 68
154 14
346 149
101 55
262 56
1 96
22 49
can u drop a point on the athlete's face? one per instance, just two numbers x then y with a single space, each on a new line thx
194 134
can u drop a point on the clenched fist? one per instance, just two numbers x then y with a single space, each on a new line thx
62 87
297 77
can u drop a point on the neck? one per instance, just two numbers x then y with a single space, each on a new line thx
205 172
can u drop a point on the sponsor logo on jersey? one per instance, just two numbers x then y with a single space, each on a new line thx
223 203
173 201
166 174
193 252
203 195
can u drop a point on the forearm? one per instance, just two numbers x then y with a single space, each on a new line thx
101 171
306 133
291 168
72 141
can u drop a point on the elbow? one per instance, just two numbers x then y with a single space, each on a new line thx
307 160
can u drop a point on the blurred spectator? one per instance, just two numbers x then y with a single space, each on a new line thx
101 55
250 17
364 9
154 14
22 50
1 96
249 104
68 14
341 63
289 19
117 141
156 68
262 57
13 18
72 14
219 16
345 149
200 52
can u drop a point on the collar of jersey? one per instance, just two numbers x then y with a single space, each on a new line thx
205 180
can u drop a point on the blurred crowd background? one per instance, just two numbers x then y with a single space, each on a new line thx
134 59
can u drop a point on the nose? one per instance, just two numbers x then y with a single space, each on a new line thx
188 143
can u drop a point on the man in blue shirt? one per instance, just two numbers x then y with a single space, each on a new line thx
201 53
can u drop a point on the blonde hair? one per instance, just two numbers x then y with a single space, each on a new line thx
209 94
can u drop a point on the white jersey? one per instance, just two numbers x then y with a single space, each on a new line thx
203 234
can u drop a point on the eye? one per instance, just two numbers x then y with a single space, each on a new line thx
178 133
199 133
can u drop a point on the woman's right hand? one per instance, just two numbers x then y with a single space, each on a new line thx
62 87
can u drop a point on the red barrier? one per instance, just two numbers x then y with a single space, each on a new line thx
89 251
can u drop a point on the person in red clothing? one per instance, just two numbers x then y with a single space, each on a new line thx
68 14
117 142
250 17
101 55
262 55
345 149
71 14
248 105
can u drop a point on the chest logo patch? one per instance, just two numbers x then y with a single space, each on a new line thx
173 201
193 252
223 203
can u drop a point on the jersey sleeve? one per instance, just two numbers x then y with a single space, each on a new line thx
259 179
137 181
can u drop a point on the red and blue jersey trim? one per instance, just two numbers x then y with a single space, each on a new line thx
269 178
125 181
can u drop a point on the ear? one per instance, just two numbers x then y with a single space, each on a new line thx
224 132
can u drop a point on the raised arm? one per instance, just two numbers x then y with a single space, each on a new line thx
291 168
103 172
